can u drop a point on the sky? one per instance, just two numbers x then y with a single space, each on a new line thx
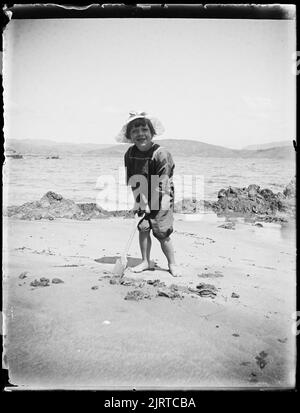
223 82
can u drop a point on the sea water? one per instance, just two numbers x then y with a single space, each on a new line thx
82 178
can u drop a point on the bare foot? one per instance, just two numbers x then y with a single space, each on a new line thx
174 270
144 266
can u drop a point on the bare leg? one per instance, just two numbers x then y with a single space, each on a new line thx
145 246
168 250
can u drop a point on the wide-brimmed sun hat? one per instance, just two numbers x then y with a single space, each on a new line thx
156 123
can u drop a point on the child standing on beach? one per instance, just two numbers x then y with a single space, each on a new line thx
149 172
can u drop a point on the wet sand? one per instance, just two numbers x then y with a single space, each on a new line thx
82 333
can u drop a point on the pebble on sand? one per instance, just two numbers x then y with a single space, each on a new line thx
23 275
227 225
136 295
171 293
44 282
113 281
234 295
206 290
261 359
57 281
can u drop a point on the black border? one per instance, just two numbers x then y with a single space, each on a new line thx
85 10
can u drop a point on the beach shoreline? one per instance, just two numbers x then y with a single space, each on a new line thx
84 332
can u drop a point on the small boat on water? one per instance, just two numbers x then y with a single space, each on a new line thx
11 153
53 157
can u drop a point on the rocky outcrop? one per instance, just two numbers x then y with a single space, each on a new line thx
192 206
263 204
251 200
290 189
53 205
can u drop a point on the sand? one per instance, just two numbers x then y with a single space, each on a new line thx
83 333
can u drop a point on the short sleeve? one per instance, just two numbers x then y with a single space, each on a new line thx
164 164
126 166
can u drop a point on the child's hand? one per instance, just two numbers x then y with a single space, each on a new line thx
140 212
146 206
141 207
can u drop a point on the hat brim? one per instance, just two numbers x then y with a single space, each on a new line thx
156 123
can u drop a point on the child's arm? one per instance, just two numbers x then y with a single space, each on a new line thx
164 167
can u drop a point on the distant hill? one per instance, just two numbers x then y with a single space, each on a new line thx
182 147
178 147
282 152
269 145
47 147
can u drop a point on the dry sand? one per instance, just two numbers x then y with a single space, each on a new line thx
70 335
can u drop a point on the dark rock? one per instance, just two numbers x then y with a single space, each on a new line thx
137 295
57 281
23 275
50 198
95 287
153 282
235 191
261 359
246 201
43 282
290 189
206 290
43 279
156 283
215 274
227 225
254 200
187 206
221 193
132 282
50 206
234 295
113 281
53 205
253 190
90 208
169 294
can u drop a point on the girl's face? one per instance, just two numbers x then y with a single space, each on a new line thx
141 136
